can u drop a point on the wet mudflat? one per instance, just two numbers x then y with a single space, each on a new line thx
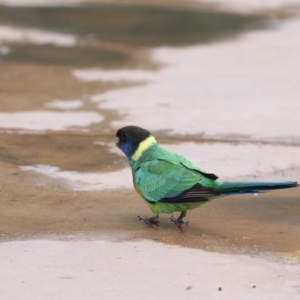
37 206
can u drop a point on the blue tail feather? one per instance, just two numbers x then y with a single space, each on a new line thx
230 188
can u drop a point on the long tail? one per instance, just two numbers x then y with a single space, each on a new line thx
229 188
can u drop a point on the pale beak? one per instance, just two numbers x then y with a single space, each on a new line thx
117 140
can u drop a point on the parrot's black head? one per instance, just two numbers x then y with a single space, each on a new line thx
130 138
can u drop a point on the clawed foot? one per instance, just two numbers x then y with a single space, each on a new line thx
149 221
178 221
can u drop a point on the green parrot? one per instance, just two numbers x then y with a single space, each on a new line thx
169 183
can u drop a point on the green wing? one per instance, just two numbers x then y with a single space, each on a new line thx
164 181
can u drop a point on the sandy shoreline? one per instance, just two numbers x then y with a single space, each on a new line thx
82 269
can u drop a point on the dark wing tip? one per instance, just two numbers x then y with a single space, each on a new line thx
210 175
197 193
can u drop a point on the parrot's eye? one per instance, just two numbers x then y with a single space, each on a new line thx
124 135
